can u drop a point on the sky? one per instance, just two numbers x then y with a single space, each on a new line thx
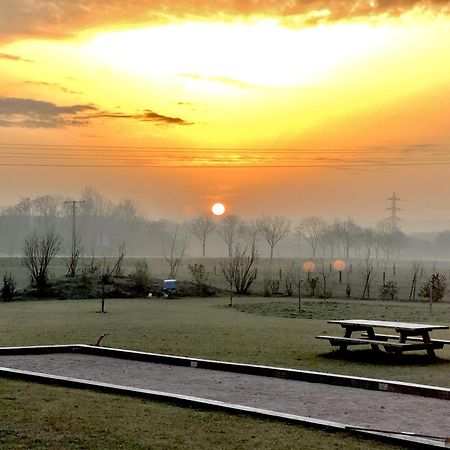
283 107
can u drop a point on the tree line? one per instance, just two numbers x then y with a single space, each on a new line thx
103 226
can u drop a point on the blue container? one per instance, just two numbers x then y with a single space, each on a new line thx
170 284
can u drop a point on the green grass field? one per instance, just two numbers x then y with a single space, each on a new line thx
256 330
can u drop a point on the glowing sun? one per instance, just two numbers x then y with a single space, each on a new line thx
218 209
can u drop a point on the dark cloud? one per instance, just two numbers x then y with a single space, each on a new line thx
62 18
146 116
30 113
10 57
151 116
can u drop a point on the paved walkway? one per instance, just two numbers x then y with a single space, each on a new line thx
352 406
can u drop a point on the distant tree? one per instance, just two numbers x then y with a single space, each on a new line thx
38 253
228 229
350 232
368 240
273 228
202 227
126 210
385 236
312 229
95 216
330 238
249 231
174 253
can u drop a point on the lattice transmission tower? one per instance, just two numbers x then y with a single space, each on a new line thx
394 209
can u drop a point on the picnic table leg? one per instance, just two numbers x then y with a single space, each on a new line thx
348 333
430 349
371 335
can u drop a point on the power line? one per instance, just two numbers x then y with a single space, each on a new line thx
343 165
94 156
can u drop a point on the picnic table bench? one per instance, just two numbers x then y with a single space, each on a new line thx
409 337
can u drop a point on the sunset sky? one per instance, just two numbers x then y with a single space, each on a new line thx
278 107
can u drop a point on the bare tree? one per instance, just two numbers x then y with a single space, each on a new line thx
202 227
117 268
38 252
325 272
415 275
72 262
249 231
274 228
174 254
368 239
228 229
350 233
368 273
330 238
312 229
239 270
385 236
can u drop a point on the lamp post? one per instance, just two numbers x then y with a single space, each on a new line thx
339 265
309 267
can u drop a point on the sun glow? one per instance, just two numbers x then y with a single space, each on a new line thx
218 209
236 55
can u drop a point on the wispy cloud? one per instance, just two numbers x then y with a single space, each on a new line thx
58 86
16 58
223 80
30 113
62 18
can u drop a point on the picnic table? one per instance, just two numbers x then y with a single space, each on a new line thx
408 337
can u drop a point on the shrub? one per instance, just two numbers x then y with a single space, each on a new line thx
199 274
389 291
312 285
9 287
436 285
141 277
239 271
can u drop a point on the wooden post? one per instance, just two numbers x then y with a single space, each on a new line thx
431 296
299 297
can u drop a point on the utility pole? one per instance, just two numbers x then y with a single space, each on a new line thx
74 258
394 209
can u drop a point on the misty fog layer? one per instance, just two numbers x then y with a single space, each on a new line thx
103 226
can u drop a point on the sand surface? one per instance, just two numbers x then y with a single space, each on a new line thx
352 406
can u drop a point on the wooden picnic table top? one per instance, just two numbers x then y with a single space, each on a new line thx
389 324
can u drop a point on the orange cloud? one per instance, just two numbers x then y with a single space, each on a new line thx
64 18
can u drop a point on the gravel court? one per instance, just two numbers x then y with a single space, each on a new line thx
352 406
